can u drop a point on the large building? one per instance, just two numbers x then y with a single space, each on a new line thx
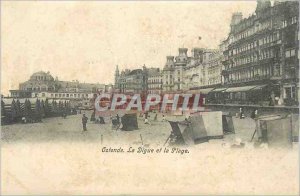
131 81
258 63
173 71
261 57
42 84
214 68
154 81
200 71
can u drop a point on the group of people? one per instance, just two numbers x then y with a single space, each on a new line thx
100 120
147 116
254 113
26 120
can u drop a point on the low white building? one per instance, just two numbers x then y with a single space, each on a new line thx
64 95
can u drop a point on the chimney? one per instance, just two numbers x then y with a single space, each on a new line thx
235 19
182 51
262 4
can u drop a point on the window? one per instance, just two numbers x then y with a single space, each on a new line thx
288 93
293 52
294 19
271 53
284 23
290 53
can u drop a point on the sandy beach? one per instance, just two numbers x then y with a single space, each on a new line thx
81 166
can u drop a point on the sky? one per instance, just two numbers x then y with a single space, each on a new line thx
76 40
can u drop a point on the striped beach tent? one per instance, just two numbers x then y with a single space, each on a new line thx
27 109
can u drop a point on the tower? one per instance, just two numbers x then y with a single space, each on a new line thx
117 75
235 19
182 57
261 5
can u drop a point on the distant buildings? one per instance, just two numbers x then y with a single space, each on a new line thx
168 74
155 81
42 84
131 81
198 69
173 71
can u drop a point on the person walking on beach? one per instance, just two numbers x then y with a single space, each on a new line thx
163 118
118 118
254 114
242 115
147 121
84 121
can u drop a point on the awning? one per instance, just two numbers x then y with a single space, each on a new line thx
259 87
200 91
240 89
219 90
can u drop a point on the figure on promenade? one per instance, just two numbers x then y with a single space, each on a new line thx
146 121
242 114
254 114
155 117
84 121
163 118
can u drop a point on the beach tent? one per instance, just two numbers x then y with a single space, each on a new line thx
22 106
212 122
27 109
198 129
295 127
187 132
14 114
19 109
93 116
48 108
3 113
42 104
37 110
177 113
54 108
279 133
275 130
7 103
176 137
129 122
227 122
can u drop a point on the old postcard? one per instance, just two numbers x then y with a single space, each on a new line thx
149 97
